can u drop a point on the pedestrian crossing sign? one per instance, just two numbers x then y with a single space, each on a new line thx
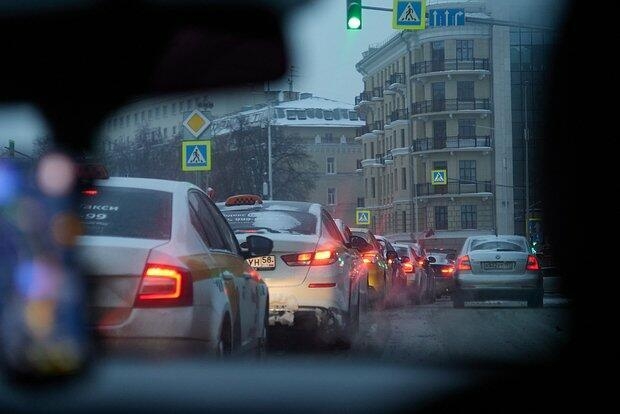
409 14
439 177
362 217
196 155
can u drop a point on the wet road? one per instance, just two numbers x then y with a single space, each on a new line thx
432 334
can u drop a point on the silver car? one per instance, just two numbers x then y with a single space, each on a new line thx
497 267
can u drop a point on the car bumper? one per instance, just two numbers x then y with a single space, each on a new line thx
182 330
497 293
444 285
307 318
509 282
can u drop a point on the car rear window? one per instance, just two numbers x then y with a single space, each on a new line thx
127 212
498 246
402 251
271 221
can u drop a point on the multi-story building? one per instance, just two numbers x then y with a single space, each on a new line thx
439 101
328 129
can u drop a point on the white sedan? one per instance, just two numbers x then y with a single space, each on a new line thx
316 281
166 272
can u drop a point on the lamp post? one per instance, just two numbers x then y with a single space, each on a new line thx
270 159
527 162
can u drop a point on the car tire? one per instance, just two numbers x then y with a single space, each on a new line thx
536 300
457 300
263 341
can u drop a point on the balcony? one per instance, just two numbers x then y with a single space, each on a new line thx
450 105
450 66
452 143
377 94
358 166
454 188
398 115
373 162
363 97
377 127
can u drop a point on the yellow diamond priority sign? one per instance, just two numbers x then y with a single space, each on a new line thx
196 123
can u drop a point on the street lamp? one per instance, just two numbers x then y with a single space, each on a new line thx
527 162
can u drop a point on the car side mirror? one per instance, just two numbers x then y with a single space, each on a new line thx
258 245
431 259
359 244
391 255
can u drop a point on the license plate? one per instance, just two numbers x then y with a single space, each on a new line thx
498 265
262 262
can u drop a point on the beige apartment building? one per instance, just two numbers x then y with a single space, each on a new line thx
328 129
428 100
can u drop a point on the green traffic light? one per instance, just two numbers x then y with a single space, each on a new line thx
354 23
354 14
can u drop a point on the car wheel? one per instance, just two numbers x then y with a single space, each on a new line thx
457 299
536 300
263 341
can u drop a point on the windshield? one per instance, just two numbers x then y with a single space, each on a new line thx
271 221
241 127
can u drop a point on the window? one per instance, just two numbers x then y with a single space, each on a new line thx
157 112
328 115
165 132
301 114
467 128
165 110
150 114
230 241
203 222
441 217
280 113
336 114
318 113
437 56
174 130
352 116
373 193
396 179
310 112
331 168
404 213
468 217
291 114
464 50
402 138
467 171
330 226
465 91
372 150
404 178
331 196
360 200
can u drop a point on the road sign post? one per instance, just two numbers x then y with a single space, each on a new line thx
362 217
439 177
409 14
196 155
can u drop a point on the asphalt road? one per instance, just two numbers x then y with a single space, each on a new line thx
437 334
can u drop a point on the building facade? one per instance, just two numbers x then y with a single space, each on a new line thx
328 130
441 149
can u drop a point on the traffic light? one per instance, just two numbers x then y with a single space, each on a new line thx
354 14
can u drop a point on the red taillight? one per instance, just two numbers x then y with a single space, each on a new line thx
463 263
447 271
318 258
408 267
532 263
370 257
321 285
421 263
90 192
163 285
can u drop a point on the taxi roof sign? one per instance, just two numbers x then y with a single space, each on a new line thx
243 200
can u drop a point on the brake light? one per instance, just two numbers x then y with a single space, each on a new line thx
370 257
420 262
408 267
448 270
463 263
90 192
318 258
532 263
163 285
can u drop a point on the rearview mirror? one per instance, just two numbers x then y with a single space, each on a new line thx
258 245
359 244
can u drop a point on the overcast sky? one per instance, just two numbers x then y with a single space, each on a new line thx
324 52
